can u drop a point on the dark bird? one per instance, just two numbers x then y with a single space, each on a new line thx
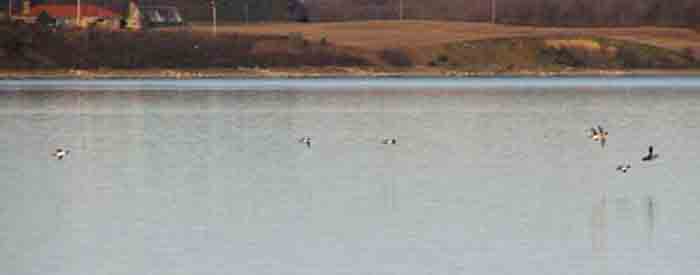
623 168
306 140
651 156
60 153
389 141
599 135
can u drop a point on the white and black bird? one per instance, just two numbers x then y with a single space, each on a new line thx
306 140
623 168
60 153
599 135
389 141
650 156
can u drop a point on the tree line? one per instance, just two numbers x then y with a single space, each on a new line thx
530 12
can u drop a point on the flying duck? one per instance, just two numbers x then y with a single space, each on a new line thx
306 140
623 168
60 153
651 156
389 141
599 135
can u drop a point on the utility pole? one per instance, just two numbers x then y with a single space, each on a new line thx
77 17
245 8
493 11
9 10
212 4
400 9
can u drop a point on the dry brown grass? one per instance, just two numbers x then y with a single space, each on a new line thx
586 44
412 34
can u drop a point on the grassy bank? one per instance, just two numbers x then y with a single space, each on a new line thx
559 53
356 48
416 34
34 48
318 72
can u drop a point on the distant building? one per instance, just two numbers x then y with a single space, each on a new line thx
134 17
156 16
68 15
141 16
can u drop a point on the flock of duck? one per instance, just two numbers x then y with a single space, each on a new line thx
307 140
600 135
62 153
597 134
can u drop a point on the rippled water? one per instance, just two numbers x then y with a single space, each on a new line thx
489 176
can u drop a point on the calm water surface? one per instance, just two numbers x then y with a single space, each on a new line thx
489 176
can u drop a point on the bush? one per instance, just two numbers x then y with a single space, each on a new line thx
296 40
439 60
105 49
45 20
396 57
630 58
690 54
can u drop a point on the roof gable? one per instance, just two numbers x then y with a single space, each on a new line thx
71 11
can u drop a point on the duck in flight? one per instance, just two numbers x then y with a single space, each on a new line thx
60 153
623 168
389 141
651 156
306 140
599 135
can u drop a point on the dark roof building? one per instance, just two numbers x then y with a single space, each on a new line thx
71 11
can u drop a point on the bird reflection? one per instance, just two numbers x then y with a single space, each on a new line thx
651 219
599 223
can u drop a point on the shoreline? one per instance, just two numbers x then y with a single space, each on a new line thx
320 72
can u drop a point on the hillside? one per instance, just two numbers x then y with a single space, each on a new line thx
420 38
25 47
418 33
378 45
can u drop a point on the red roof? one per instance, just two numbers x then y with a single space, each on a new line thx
86 10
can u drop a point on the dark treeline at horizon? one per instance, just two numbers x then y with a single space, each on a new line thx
526 12
529 12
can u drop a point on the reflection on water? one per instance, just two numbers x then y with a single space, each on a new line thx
624 216
651 220
353 83
494 178
600 226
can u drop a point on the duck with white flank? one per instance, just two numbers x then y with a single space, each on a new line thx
389 141
623 168
651 156
306 140
60 153
599 135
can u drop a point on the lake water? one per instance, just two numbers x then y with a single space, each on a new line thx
489 176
